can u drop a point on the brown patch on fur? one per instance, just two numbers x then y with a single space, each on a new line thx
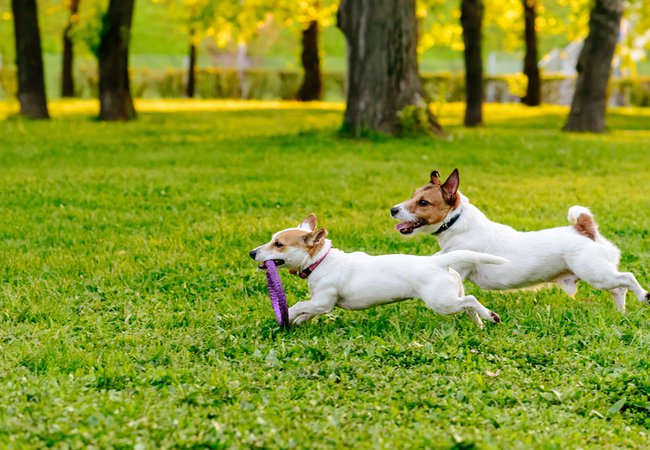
586 226
316 248
291 237
456 202
311 242
432 202
436 208
287 239
311 221
315 240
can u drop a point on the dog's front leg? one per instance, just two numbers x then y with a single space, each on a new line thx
319 304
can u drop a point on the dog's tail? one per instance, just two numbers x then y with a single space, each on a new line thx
460 258
583 222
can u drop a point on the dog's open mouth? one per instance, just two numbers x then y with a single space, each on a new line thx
277 262
409 227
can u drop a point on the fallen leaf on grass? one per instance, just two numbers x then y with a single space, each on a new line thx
616 407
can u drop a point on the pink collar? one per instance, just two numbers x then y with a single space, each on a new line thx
306 272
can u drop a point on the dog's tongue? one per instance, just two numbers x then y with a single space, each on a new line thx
403 226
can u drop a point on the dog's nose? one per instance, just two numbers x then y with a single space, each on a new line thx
253 253
394 210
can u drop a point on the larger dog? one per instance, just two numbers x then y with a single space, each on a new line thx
563 255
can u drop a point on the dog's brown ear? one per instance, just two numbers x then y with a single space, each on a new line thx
315 237
435 177
309 223
450 188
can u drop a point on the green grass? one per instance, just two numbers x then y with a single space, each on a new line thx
132 316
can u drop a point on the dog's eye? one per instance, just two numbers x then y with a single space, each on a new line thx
423 202
278 244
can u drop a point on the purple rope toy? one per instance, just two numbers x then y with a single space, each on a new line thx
276 292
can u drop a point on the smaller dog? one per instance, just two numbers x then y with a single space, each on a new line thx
562 255
356 281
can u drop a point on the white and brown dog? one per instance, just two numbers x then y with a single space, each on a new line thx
356 281
562 255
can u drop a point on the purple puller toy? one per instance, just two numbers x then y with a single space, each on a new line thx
276 292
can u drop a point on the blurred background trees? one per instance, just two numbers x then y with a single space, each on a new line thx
308 18
471 19
115 100
195 18
27 36
383 76
594 67
521 50
533 95
67 63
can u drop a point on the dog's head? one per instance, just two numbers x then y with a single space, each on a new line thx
293 247
428 206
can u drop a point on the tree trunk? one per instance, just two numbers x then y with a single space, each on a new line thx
383 67
311 83
115 98
31 83
531 70
471 19
594 67
67 65
191 70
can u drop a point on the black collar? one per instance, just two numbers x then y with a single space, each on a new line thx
446 226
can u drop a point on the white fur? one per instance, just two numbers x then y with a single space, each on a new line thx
560 255
357 280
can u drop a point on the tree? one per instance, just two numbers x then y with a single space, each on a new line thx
311 15
115 98
197 17
308 16
311 86
471 19
191 66
383 76
67 64
594 67
533 95
31 84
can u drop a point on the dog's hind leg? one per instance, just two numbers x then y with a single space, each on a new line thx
473 304
609 279
472 314
569 283
619 297
628 281
468 303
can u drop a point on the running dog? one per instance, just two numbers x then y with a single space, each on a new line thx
562 255
356 281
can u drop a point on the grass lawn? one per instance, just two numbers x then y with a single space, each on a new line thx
132 316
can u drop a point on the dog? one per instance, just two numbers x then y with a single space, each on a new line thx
356 281
562 255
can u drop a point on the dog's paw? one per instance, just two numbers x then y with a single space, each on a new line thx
495 317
